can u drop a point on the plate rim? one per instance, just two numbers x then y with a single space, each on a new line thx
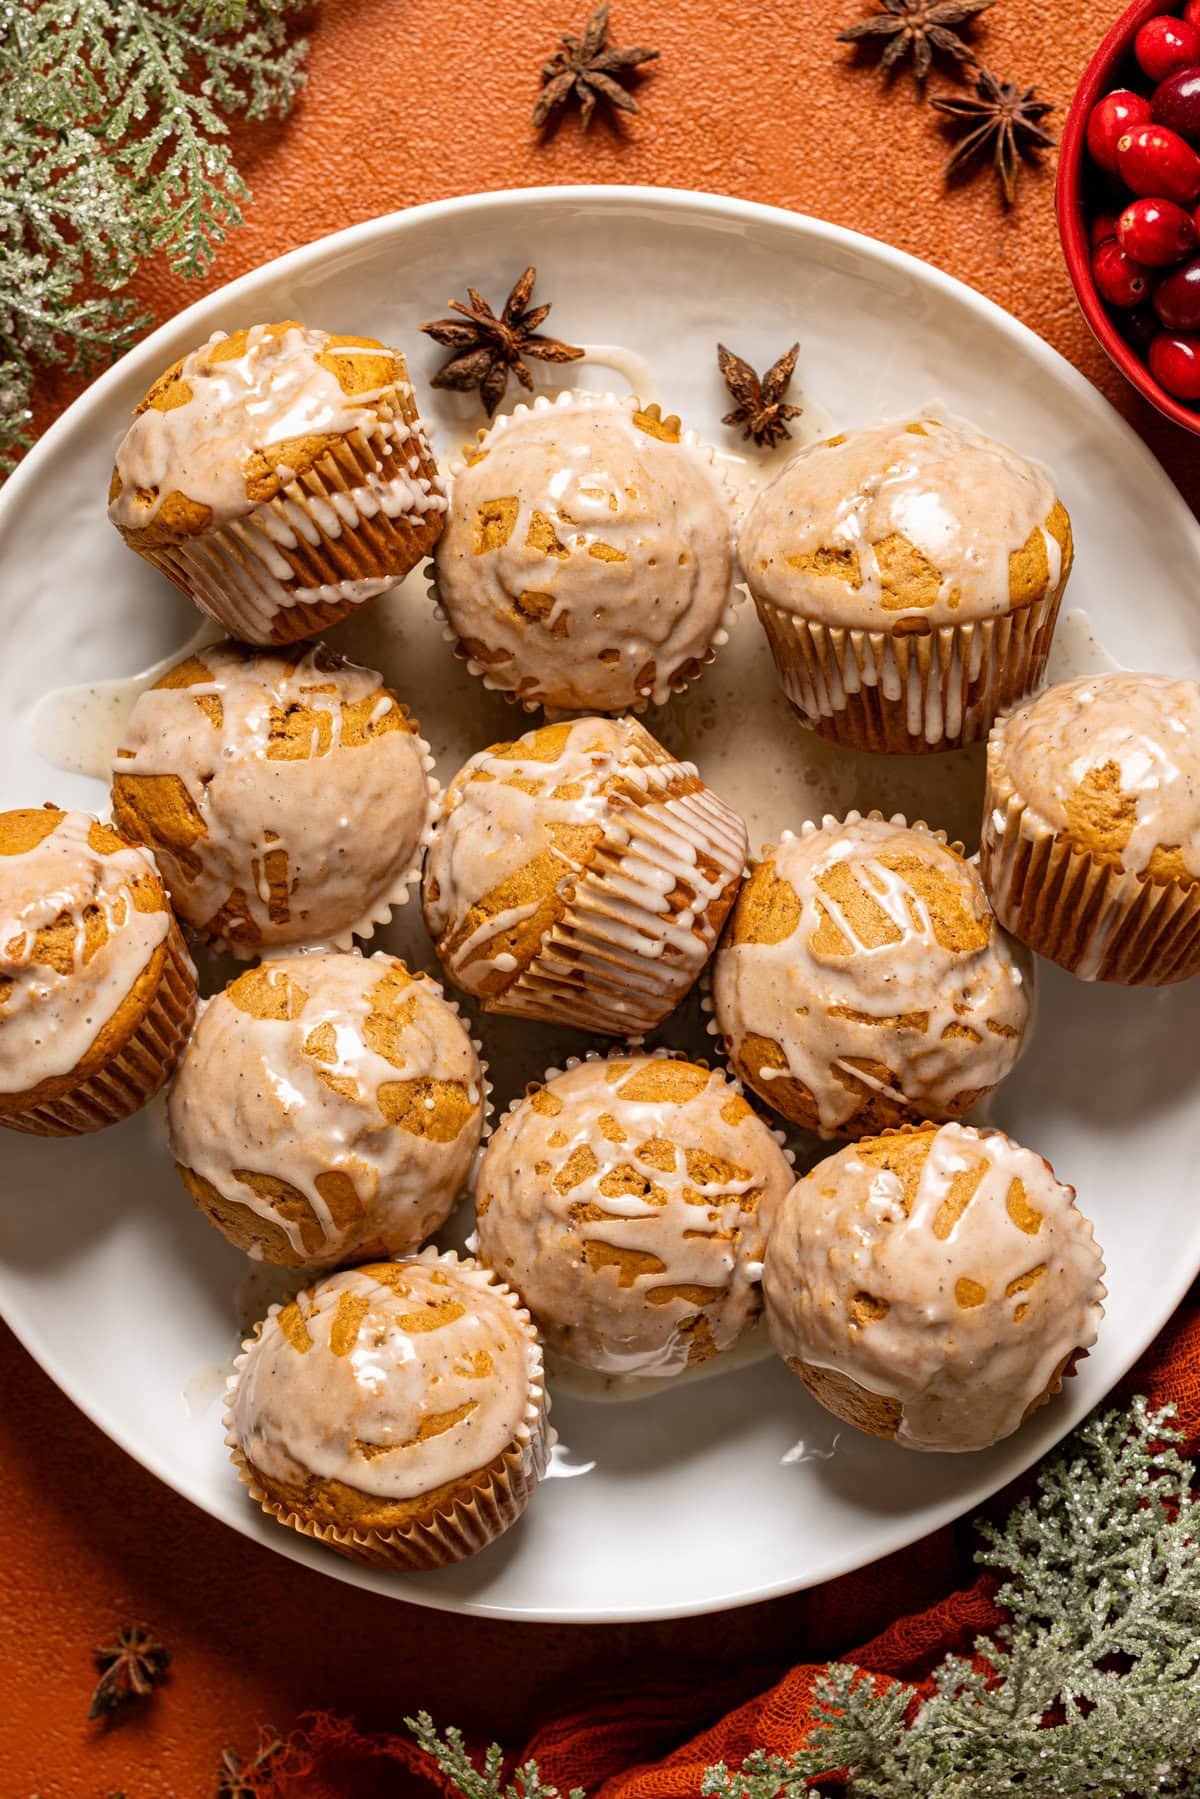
358 237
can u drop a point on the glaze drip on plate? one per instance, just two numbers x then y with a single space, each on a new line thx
81 915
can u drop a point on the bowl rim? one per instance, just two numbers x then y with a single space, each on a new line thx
1074 222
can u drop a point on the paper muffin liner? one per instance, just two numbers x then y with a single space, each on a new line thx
1099 922
141 1066
279 573
379 911
599 966
910 692
683 678
485 1503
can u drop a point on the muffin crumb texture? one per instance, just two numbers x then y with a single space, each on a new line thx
327 1109
285 793
386 1396
933 1284
581 875
628 1202
587 561
864 982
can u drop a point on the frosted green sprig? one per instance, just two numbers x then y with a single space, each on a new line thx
113 145
1089 1690
450 1753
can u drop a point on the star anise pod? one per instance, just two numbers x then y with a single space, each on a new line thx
1002 117
917 28
585 66
250 1777
760 407
129 1669
488 346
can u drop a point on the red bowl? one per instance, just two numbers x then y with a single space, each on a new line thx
1078 198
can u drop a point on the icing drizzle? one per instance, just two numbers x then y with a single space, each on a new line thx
301 796
54 1004
274 392
394 1379
956 1282
1113 759
826 538
587 561
893 975
628 1202
333 1065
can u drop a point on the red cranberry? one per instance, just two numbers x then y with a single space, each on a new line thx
1119 279
1104 227
1156 232
1109 119
1164 45
1175 365
1139 328
1176 103
1177 297
1191 13
1154 161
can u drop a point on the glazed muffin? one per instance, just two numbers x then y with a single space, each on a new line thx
581 875
97 991
286 794
1091 827
280 476
864 982
395 1412
587 561
908 577
628 1202
934 1285
327 1110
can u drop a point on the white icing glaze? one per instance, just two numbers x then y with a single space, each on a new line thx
49 1019
395 1349
963 501
632 1227
965 1362
275 391
350 818
943 1005
1146 728
670 851
623 540
300 1097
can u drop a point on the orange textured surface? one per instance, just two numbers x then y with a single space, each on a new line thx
407 103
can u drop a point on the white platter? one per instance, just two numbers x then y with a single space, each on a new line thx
725 1491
